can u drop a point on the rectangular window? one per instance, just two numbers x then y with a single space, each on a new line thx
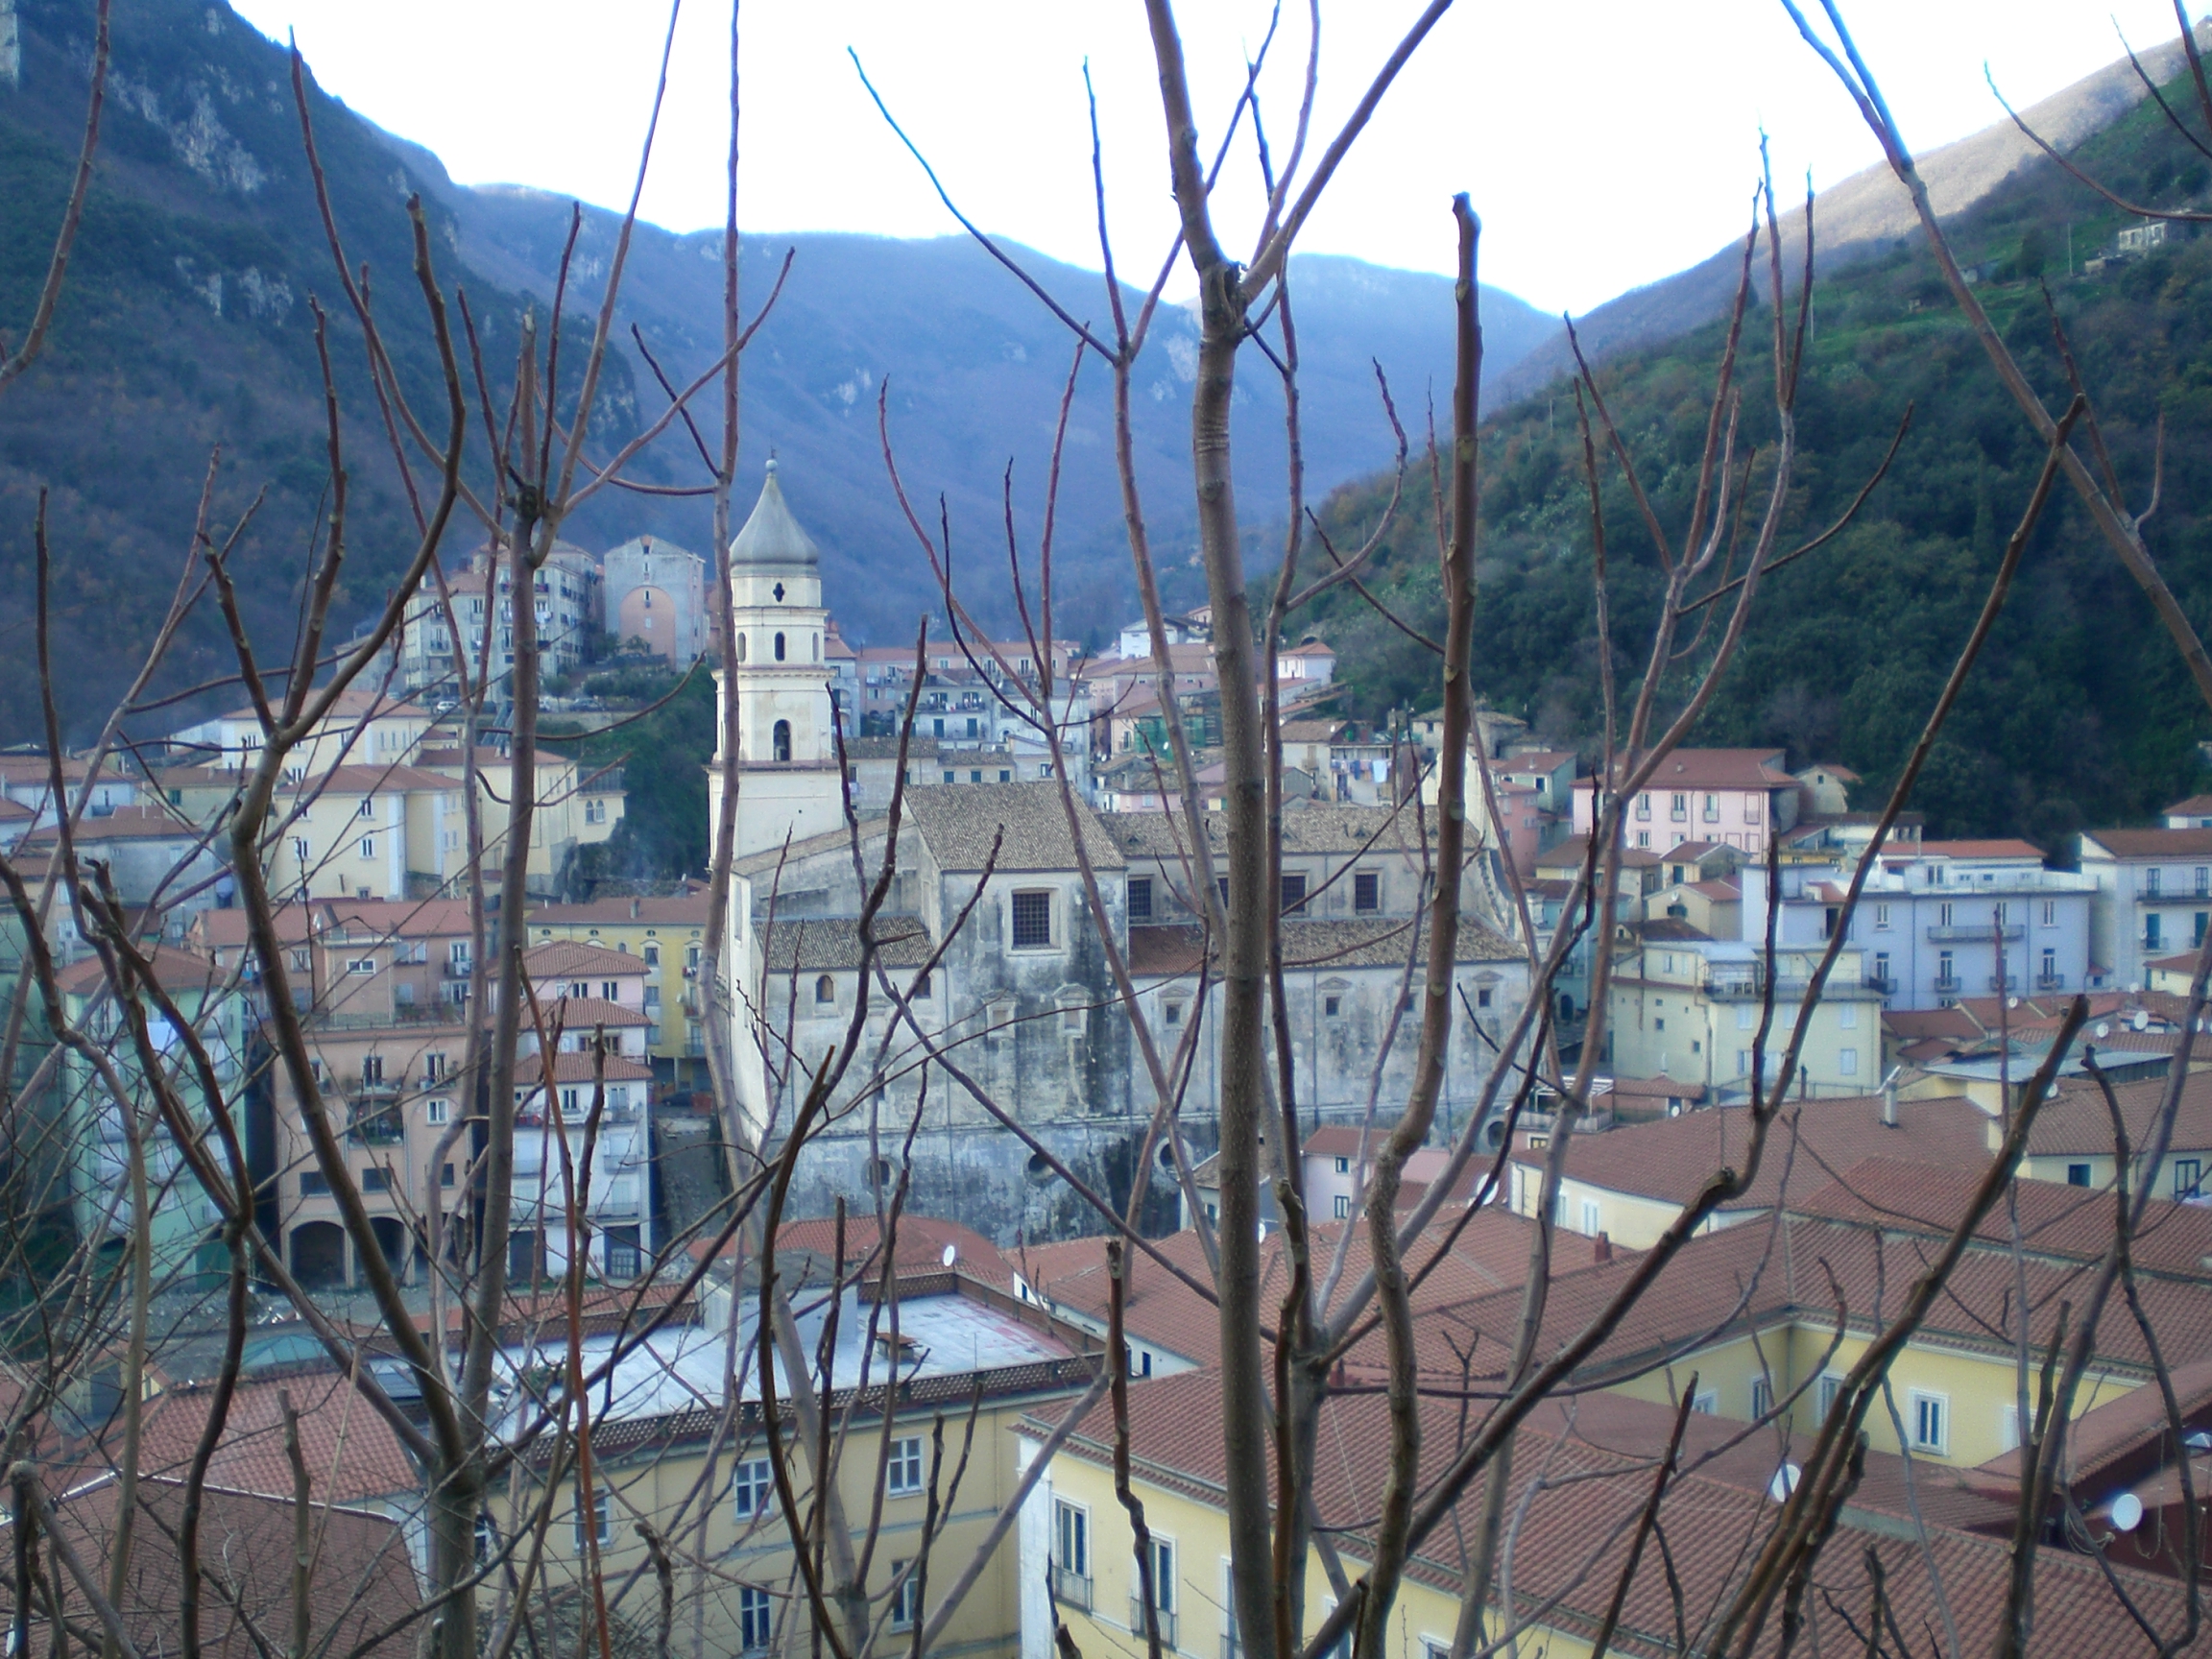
2050 912
439 1111
368 846
1033 920
1366 891
1882 918
1072 1551
1824 1393
1711 809
1762 1398
1848 1017
602 1524
2151 882
361 964
457 952
375 1179
300 852
367 807
1344 1206
1928 1421
2203 881
1707 1404
905 1596
446 1175
902 1473
2007 1427
2188 1175
1139 898
752 1488
1590 1217
1678 806
2077 1174
1294 895
1944 915
1847 1062
755 1618
313 1182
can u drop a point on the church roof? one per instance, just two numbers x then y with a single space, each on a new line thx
772 535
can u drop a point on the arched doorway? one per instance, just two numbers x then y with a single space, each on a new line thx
319 1255
391 1238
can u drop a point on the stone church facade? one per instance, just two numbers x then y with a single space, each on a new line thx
989 936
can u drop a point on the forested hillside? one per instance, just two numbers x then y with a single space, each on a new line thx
2080 713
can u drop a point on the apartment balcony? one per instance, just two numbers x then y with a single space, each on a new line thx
1975 933
1947 985
2049 981
1166 1617
453 969
1882 983
376 1127
1071 1589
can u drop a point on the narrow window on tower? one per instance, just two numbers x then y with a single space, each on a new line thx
779 647
780 738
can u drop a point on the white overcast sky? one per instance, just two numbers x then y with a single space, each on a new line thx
1604 144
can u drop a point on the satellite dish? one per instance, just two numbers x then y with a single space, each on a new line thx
2012 1002
951 1254
2104 1029
1785 1482
2127 1512
2142 1019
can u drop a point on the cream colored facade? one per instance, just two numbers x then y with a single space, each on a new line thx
361 729
668 936
1692 1011
779 672
363 831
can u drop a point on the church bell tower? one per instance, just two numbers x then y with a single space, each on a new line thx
776 666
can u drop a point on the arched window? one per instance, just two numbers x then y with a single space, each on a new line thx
779 647
781 740
824 989
740 647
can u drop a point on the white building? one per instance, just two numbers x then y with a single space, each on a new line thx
1930 919
786 760
2153 896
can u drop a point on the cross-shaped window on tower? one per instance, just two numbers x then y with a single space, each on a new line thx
777 591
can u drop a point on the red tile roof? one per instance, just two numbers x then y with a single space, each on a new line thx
1718 769
350 1452
685 910
2151 843
1672 1159
2007 848
568 959
2074 1120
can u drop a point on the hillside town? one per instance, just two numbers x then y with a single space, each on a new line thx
718 945
1947 983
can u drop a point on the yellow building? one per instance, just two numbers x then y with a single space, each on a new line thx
1690 1008
961 1340
668 934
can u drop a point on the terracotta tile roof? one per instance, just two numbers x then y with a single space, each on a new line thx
179 971
2135 1423
1689 852
1720 889
155 823
573 1014
1489 1252
2072 1222
361 1581
1672 930
2074 1120
2004 847
1593 1458
571 1068
1662 1087
2151 843
565 959
2196 806
920 1245
1568 855
350 1452
368 780
1672 1159
394 917
1718 769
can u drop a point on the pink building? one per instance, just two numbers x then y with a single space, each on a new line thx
1733 797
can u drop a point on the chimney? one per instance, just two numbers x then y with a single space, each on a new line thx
635 906
1602 1249
1890 1101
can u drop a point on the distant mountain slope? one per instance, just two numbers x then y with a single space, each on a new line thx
186 326
2079 711
1859 217
976 368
